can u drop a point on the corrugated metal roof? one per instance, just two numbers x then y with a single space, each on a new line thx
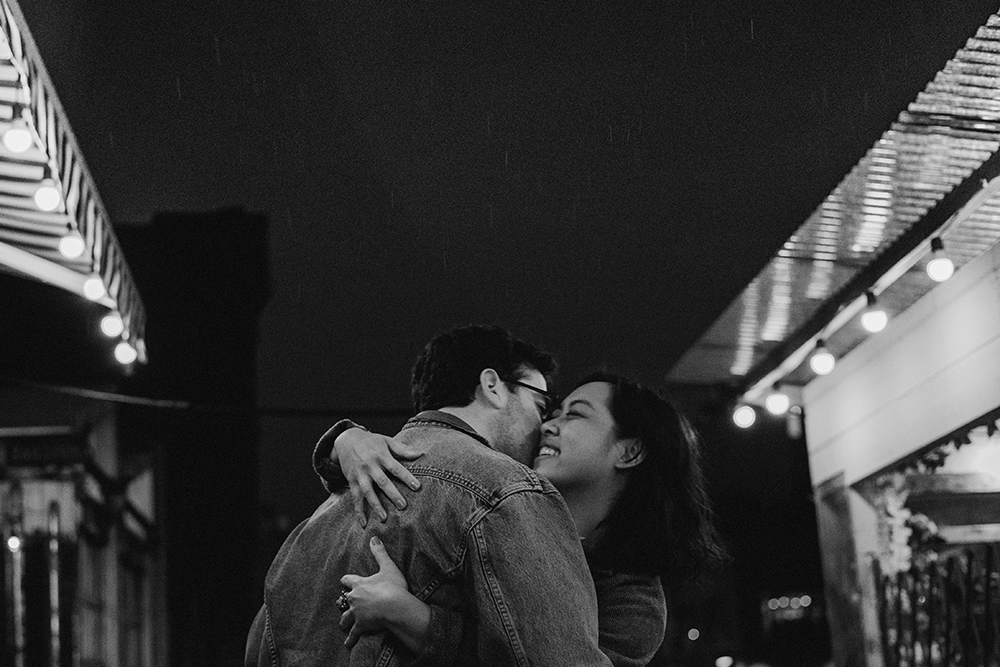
29 237
949 132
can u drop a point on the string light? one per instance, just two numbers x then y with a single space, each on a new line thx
777 402
18 138
14 543
940 268
72 246
93 288
821 361
873 319
112 325
125 353
47 196
744 416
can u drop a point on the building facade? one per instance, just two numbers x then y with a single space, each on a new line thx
82 573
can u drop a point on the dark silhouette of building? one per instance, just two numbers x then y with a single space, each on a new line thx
204 280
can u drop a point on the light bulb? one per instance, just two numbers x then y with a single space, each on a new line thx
47 196
744 416
17 138
13 542
822 362
777 403
112 325
874 320
125 353
72 246
940 268
93 288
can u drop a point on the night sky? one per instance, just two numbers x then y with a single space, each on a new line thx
601 177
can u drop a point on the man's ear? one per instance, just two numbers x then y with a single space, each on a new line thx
492 388
630 453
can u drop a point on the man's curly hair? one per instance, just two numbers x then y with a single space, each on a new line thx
447 370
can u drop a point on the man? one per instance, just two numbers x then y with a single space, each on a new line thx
489 542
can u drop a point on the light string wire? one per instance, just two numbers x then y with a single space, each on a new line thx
193 406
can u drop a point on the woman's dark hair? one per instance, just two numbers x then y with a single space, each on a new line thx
446 372
662 522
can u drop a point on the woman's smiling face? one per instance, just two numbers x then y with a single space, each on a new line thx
577 448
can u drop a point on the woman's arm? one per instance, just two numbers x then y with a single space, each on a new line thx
632 616
349 455
383 602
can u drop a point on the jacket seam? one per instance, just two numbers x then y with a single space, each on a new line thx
504 614
490 499
272 650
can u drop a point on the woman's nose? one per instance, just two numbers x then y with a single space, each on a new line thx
549 427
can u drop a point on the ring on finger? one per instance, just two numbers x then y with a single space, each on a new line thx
343 603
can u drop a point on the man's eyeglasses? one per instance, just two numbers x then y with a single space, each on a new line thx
551 400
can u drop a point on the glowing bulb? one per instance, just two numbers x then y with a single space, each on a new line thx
93 288
14 543
693 634
874 320
47 196
822 362
940 268
125 353
72 246
112 325
777 403
17 138
724 661
744 416
806 600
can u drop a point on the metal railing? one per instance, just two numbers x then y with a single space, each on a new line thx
943 613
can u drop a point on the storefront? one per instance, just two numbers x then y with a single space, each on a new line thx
893 369
82 574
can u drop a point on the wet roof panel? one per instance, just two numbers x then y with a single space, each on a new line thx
29 236
946 134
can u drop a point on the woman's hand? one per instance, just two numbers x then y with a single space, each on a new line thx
383 602
367 457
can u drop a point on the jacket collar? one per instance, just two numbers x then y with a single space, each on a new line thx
446 420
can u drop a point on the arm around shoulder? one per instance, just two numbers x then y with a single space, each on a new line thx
325 463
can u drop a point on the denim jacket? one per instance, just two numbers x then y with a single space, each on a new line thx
487 540
632 609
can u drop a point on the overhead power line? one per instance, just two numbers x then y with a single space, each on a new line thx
218 408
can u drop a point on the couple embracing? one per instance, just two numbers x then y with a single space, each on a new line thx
484 560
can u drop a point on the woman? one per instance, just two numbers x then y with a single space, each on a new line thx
627 465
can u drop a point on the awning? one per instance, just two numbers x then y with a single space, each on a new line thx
49 157
934 173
